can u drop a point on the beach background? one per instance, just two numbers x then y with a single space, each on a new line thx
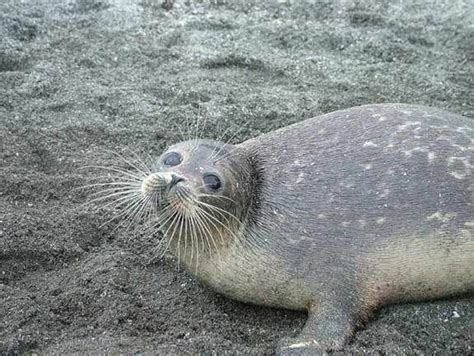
80 78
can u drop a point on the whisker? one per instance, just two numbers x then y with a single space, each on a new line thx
197 250
115 193
146 168
134 215
128 162
167 214
132 203
118 170
219 222
181 223
122 197
204 223
109 178
95 185
228 141
219 210
172 216
117 203
117 189
171 237
214 196
228 155
165 240
202 229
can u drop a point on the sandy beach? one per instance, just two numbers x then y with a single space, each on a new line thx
82 78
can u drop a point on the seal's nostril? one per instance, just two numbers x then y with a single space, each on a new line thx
175 180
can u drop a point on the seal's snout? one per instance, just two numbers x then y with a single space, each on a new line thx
159 182
175 179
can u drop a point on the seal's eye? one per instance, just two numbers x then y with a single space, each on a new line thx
212 181
172 159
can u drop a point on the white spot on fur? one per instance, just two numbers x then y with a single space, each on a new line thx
469 223
463 169
382 118
463 148
409 153
380 220
298 163
440 217
463 129
321 216
366 166
465 234
385 193
303 344
369 144
362 222
431 157
406 125
346 223
300 178
348 185
442 127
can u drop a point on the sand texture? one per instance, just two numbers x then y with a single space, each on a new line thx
78 78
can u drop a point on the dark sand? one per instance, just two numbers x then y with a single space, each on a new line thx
79 77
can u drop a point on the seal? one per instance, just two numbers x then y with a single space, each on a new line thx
336 215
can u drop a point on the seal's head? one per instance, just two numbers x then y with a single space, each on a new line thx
200 189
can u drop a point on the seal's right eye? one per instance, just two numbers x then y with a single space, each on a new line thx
212 181
172 159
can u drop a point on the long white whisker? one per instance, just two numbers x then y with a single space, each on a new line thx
182 222
145 168
117 190
131 164
94 185
132 202
171 237
135 214
219 222
219 210
167 239
204 223
130 192
117 170
214 196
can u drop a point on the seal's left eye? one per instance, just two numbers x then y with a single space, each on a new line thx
212 181
172 159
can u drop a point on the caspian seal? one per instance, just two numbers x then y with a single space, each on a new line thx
336 215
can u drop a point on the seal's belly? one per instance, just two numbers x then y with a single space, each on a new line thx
258 279
424 267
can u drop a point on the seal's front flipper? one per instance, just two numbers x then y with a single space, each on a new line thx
329 327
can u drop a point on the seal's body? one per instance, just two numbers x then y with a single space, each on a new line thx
335 215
